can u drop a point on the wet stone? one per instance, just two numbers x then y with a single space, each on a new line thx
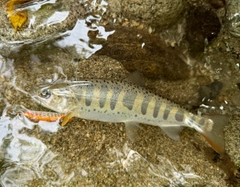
217 3
234 17
139 50
42 23
157 14
232 139
202 25
210 91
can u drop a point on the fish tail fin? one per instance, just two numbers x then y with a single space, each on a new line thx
213 132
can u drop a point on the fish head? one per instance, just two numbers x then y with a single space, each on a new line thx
57 97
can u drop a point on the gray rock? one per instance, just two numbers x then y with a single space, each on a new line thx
157 14
233 16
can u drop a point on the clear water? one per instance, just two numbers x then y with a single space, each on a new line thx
93 153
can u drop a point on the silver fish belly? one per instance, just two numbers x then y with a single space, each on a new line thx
121 101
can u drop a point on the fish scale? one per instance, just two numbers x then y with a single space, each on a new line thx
123 101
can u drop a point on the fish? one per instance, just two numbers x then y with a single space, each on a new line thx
37 116
126 101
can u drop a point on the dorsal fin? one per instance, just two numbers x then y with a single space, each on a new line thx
137 78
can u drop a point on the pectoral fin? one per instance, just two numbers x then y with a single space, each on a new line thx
172 131
131 130
68 118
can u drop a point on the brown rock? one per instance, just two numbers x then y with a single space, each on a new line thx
138 50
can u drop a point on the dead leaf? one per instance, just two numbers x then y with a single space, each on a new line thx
17 18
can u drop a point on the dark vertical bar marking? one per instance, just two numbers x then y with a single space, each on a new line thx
145 103
166 112
179 115
129 98
115 93
156 108
103 95
89 94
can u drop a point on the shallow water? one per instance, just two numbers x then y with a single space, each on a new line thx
91 153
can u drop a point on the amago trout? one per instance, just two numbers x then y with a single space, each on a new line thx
123 101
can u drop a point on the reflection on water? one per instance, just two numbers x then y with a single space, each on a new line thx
6 67
57 17
78 38
27 157
16 175
165 170
87 152
169 172
33 5
71 23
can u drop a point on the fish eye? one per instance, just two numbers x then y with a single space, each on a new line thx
45 93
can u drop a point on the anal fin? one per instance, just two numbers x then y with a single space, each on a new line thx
172 131
131 130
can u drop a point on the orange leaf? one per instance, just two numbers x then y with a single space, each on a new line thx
17 18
